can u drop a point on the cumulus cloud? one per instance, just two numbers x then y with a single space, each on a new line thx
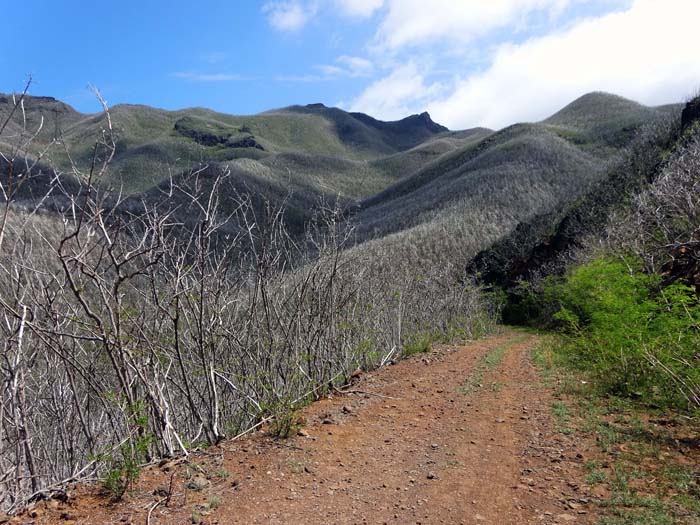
288 15
401 93
647 52
344 67
412 22
356 66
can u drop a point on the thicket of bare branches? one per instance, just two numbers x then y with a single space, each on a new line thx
664 222
131 331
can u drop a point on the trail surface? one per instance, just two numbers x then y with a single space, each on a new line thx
460 435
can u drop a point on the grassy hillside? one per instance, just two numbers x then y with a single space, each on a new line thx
154 143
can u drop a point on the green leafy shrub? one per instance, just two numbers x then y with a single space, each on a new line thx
635 337
420 343
286 418
124 468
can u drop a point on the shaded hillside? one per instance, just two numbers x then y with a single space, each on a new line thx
368 134
522 153
479 193
537 247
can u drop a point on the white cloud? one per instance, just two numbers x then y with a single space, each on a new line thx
289 15
412 22
359 8
330 71
346 66
356 66
647 53
403 92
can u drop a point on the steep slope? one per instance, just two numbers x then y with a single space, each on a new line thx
470 197
537 246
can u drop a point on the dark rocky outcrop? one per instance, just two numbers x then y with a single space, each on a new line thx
188 127
206 138
683 266
245 142
691 113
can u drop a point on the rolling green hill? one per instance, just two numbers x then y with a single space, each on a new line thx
152 144
411 184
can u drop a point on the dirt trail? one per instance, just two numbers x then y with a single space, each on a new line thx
460 435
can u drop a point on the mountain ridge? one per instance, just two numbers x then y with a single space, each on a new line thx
391 176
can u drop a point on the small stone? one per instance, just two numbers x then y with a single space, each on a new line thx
198 483
500 420
347 410
431 475
161 491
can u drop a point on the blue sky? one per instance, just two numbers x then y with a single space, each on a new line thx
468 62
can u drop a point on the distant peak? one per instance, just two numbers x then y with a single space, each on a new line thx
426 120
316 105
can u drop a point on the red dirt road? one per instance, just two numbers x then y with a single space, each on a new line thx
461 435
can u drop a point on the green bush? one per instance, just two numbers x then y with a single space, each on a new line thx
420 343
637 338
